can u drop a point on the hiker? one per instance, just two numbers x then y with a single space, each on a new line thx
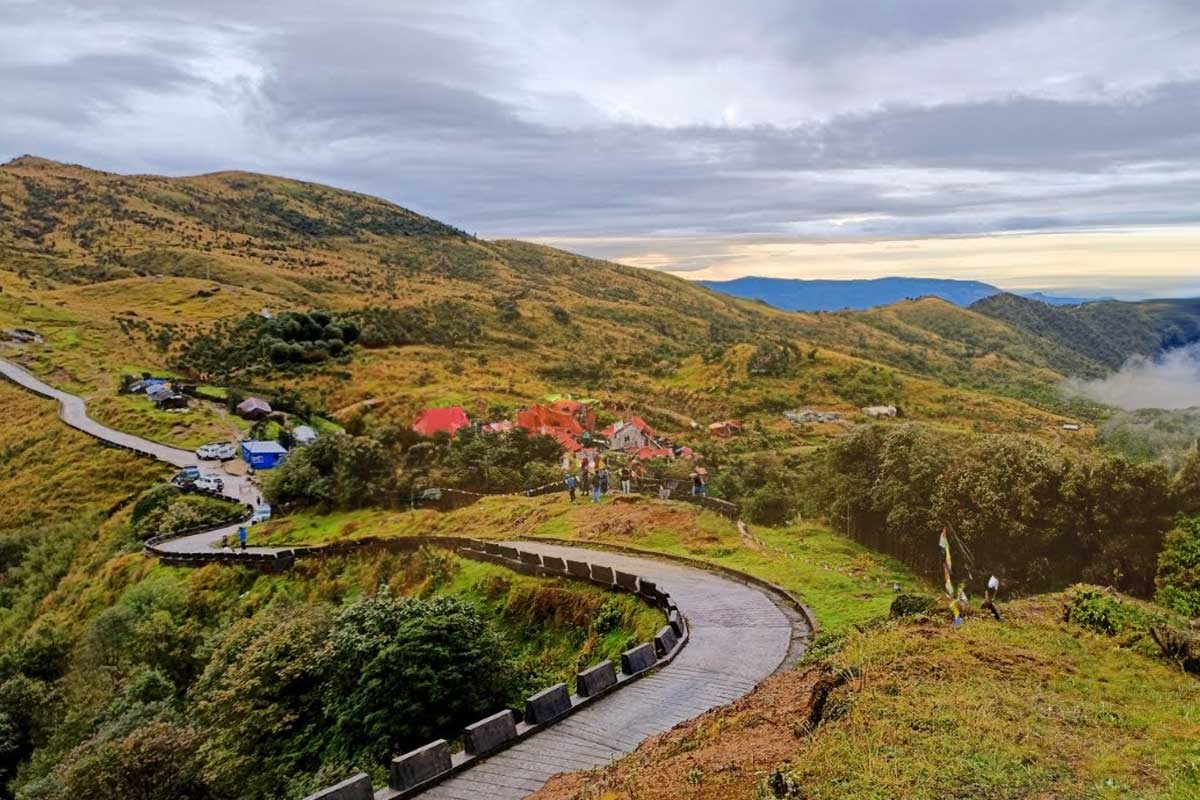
571 484
242 536
626 479
697 484
585 482
225 541
603 476
596 488
989 596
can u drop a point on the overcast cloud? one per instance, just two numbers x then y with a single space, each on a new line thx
660 125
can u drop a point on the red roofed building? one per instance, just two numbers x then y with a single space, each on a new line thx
567 416
435 420
646 453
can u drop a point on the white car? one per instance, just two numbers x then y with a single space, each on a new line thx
210 483
261 514
217 451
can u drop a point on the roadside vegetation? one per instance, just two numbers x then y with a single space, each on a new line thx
158 682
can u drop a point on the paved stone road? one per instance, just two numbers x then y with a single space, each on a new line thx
739 635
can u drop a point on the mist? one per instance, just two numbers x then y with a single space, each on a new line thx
1170 380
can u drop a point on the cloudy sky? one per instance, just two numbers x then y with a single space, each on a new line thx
1049 144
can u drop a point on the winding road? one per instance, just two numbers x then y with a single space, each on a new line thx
740 634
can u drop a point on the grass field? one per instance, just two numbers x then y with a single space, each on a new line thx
843 582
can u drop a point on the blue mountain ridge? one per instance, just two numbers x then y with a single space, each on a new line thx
796 294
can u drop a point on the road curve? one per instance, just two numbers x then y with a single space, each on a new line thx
740 634
73 411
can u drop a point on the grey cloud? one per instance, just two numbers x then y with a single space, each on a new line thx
430 109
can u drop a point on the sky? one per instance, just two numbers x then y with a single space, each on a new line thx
1049 144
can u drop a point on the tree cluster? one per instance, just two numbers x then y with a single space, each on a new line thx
1038 517
387 467
289 339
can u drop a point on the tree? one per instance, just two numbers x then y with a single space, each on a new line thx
401 672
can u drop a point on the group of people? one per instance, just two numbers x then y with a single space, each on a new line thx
596 482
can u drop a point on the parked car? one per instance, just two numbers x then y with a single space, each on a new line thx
261 514
186 478
217 451
210 483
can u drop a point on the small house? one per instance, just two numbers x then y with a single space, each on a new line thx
253 408
262 455
629 435
725 429
441 420
304 434
496 427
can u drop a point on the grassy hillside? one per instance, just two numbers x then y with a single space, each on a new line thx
1105 333
1031 707
119 273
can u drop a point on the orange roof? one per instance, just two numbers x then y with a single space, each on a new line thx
644 453
434 420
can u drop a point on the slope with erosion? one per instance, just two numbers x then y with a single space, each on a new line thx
119 272
1030 707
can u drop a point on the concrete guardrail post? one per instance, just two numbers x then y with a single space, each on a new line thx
594 680
356 788
417 766
627 581
602 575
638 659
665 640
548 704
554 564
579 569
490 734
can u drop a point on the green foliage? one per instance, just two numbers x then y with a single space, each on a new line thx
400 672
911 605
1101 612
1023 510
335 471
292 338
1178 578
164 509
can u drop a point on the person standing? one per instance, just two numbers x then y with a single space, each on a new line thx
242 534
697 484
596 488
571 484
989 596
626 479
585 482
603 480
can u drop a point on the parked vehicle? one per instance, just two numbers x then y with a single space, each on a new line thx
186 478
217 451
261 514
210 483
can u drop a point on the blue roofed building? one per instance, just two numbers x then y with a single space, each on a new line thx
262 455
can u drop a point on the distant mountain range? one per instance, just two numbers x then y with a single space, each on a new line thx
794 294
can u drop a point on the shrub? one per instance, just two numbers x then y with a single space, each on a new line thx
911 605
1178 578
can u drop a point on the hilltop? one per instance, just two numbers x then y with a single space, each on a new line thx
122 271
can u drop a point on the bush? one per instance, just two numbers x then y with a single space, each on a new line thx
1178 578
401 672
911 605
